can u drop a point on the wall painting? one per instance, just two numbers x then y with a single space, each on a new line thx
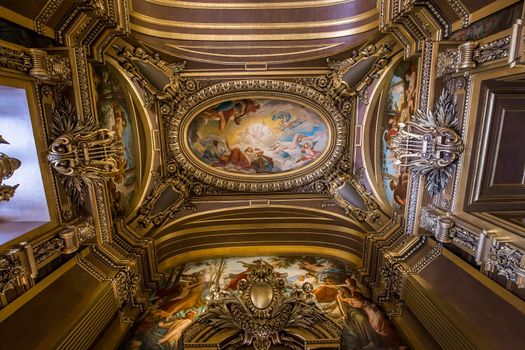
489 25
255 136
114 113
398 108
183 298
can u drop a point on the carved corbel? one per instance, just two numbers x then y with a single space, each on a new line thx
67 241
336 84
74 236
456 60
160 80
516 49
50 68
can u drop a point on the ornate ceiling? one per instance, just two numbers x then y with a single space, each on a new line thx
174 132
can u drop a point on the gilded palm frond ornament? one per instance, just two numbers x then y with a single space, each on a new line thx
431 144
261 314
82 151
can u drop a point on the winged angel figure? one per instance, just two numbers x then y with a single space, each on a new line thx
431 144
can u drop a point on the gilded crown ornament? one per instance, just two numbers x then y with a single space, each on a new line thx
261 314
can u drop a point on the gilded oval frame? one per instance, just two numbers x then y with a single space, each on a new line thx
190 107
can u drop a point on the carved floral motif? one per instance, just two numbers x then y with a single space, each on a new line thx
505 260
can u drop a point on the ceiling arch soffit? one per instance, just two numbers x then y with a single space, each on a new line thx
371 148
249 230
142 123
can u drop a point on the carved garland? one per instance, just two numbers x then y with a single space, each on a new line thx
279 88
13 59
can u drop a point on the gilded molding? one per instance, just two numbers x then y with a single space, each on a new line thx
99 195
256 26
248 5
424 90
83 83
45 15
461 11
464 86
414 22
285 89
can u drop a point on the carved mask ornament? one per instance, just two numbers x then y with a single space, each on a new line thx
430 144
87 154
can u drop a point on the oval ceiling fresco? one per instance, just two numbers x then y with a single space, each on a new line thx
258 136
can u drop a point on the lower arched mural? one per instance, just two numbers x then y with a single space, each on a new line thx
188 289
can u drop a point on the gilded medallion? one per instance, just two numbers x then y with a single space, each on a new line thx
257 140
